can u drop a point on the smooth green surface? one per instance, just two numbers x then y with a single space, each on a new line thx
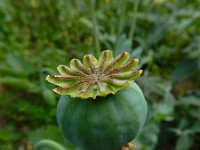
104 123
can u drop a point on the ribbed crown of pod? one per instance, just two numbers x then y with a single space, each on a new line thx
95 77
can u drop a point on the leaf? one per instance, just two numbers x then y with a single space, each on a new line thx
151 85
184 71
184 142
169 103
49 133
187 22
147 139
163 111
137 52
190 100
123 44
86 22
15 82
49 97
20 83
19 64
158 33
194 113
196 126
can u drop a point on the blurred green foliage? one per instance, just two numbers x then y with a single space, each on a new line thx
36 36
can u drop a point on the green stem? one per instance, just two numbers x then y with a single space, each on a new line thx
134 20
121 21
48 144
95 29
123 5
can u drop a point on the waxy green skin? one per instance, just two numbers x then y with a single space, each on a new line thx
113 110
106 123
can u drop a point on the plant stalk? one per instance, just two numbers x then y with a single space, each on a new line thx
123 4
48 144
95 29
134 20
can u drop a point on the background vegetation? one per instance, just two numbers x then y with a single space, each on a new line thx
38 35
